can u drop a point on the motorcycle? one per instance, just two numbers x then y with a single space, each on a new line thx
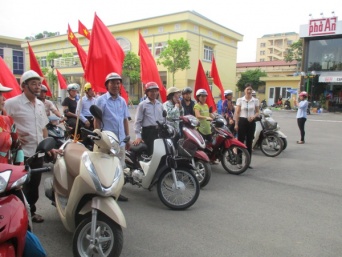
55 131
191 147
15 218
266 135
263 104
232 154
287 104
85 188
177 186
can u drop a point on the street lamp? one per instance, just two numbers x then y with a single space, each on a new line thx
313 75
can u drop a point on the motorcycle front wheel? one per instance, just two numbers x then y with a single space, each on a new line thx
181 195
108 241
271 145
235 160
284 143
202 172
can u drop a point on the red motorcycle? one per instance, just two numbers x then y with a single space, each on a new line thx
191 146
14 213
232 154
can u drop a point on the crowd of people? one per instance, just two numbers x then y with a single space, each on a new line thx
23 118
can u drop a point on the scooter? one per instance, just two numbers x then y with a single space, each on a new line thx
191 147
232 154
287 104
55 131
85 188
177 186
263 104
266 135
15 218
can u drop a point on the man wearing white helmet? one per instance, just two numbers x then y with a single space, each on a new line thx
49 106
69 105
29 115
149 112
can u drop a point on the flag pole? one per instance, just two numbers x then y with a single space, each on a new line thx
78 111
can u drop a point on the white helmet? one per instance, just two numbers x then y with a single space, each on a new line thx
228 92
30 74
253 93
73 86
201 92
267 112
44 88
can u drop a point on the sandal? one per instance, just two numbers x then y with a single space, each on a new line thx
300 142
37 218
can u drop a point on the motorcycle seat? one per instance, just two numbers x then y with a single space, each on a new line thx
138 148
72 157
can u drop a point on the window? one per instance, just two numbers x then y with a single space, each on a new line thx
262 60
289 42
271 94
262 52
43 62
158 48
149 47
196 28
18 62
262 44
177 26
160 29
210 33
124 43
2 53
145 32
208 53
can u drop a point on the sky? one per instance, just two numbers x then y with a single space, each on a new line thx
251 18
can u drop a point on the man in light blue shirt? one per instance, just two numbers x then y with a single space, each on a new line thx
114 113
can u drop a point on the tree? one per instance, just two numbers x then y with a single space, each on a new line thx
131 68
295 53
45 34
251 76
48 71
175 56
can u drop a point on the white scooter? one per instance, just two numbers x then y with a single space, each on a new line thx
85 188
268 136
178 187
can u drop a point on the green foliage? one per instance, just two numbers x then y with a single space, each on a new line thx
295 53
67 55
131 67
42 35
175 56
251 76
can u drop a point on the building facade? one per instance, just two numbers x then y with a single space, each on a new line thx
273 47
322 60
13 55
204 36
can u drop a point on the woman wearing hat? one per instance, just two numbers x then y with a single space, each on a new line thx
10 151
301 114
173 107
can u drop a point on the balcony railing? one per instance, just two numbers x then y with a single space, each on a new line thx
67 62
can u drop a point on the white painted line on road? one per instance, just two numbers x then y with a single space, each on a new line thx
328 120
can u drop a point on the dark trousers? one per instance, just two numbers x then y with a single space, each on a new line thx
149 134
246 131
31 189
301 125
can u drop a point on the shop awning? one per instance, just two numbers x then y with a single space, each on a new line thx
330 77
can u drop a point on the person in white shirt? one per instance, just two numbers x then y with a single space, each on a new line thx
29 115
247 109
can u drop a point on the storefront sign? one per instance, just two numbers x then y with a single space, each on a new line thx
329 79
323 26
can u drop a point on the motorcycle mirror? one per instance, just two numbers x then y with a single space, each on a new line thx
210 109
126 139
96 112
46 144
164 113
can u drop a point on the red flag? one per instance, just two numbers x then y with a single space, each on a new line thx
148 67
35 66
105 55
81 53
82 30
216 77
61 80
202 83
7 79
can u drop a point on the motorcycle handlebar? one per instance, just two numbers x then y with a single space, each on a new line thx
40 170
90 132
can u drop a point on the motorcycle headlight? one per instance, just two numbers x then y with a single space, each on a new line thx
4 178
19 182
105 191
115 147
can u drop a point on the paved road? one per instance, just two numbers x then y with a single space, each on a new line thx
290 205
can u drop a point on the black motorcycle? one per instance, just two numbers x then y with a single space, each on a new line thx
287 104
